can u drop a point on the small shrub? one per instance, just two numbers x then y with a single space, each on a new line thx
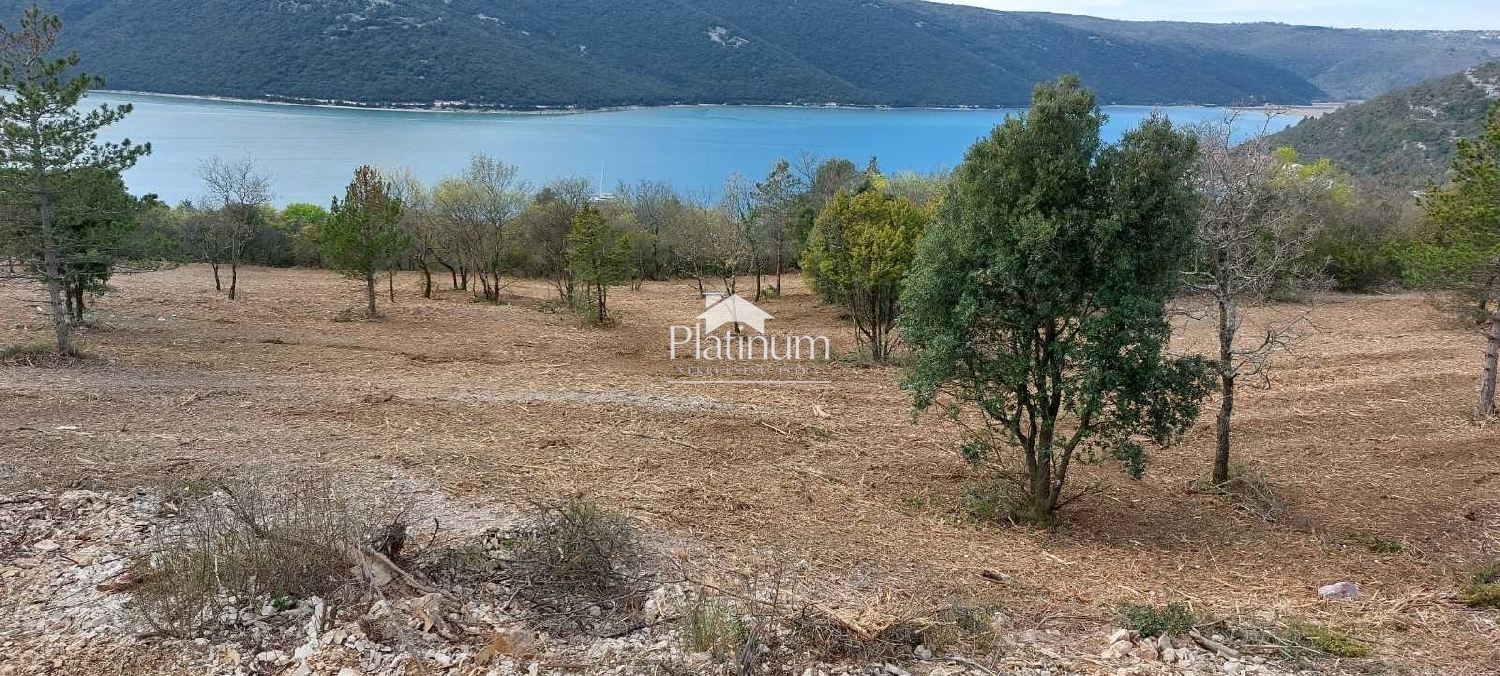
1375 544
25 350
573 555
770 293
991 503
710 627
1483 588
33 354
1300 639
283 540
1174 619
1252 493
960 625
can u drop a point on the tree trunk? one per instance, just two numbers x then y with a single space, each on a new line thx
218 286
426 281
1226 410
1226 392
1486 404
370 293
1042 506
234 279
76 302
390 285
51 260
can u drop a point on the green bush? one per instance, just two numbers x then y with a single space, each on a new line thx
1358 249
1301 639
1483 588
1174 619
991 503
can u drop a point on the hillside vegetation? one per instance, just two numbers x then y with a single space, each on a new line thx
1346 63
558 53
1405 139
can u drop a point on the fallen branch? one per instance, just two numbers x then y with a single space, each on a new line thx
1215 646
970 663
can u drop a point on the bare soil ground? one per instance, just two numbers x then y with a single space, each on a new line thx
1362 437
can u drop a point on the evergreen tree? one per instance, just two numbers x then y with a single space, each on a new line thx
859 253
44 137
596 259
1036 304
776 216
94 218
363 235
1459 250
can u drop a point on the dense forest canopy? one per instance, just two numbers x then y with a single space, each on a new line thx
560 53
1404 140
1347 63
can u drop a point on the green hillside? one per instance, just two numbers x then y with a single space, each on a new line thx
594 53
1346 63
1404 139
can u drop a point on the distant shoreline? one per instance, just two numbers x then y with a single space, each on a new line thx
1312 110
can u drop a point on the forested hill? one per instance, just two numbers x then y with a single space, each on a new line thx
1346 63
596 53
1404 139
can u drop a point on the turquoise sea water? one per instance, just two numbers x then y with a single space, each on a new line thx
311 152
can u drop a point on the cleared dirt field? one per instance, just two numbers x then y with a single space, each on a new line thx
1362 437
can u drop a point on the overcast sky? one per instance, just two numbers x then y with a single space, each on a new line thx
1411 14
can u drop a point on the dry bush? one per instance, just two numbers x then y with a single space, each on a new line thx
278 541
1303 640
1251 492
961 627
571 556
710 626
35 354
874 635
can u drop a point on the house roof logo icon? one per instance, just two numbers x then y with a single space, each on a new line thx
731 310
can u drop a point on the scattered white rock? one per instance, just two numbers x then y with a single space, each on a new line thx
1339 591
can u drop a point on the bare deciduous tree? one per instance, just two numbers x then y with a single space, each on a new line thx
236 190
480 207
1252 237
547 222
732 237
418 220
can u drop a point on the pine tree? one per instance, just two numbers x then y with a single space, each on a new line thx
44 136
596 259
1459 251
363 235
